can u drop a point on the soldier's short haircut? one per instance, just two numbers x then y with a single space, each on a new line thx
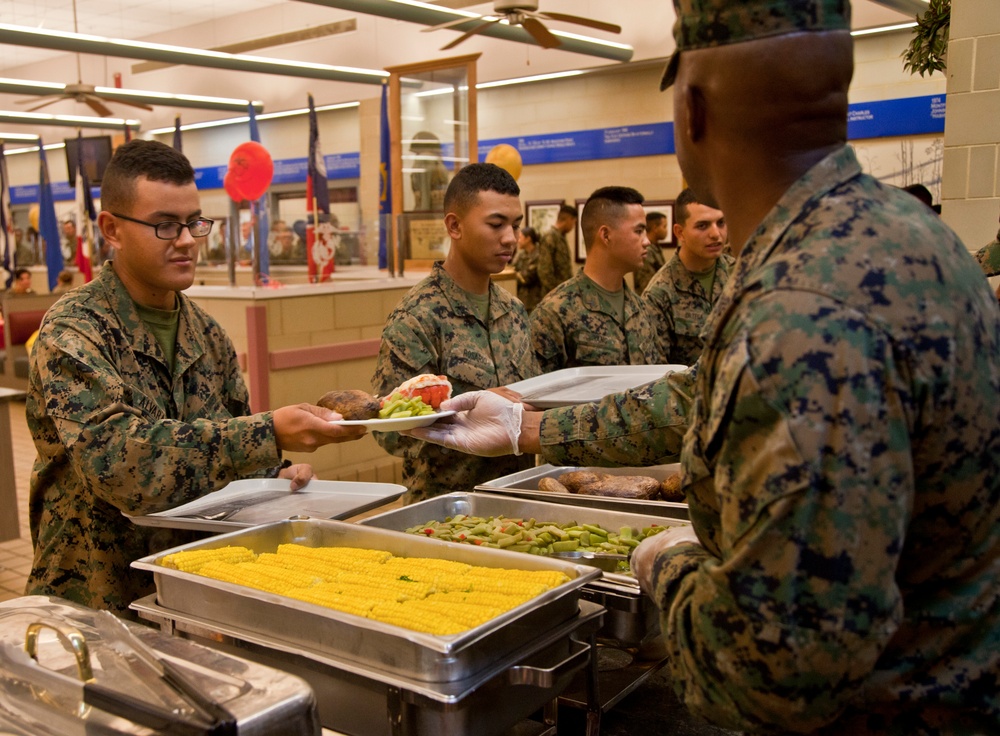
465 186
138 158
605 207
653 217
568 210
681 210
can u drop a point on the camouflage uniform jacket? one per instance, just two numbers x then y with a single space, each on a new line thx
554 265
841 471
652 262
575 326
434 329
529 287
115 432
678 307
989 257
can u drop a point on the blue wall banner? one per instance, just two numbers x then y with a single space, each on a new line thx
880 119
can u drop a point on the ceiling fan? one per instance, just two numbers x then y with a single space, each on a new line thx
524 13
80 92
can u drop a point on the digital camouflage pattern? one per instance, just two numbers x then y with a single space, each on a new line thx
575 325
115 432
554 264
652 262
435 329
842 471
529 286
702 24
678 308
989 257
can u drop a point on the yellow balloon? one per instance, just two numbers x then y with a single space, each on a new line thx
33 216
506 157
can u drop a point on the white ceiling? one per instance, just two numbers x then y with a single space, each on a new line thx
376 44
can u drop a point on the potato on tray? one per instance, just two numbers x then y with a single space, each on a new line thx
593 483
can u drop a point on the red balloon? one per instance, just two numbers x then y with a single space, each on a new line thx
232 188
251 168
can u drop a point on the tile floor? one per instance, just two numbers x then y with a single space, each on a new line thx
15 555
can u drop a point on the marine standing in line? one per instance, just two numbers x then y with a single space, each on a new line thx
653 261
554 264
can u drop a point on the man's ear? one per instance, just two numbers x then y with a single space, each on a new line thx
108 225
678 231
694 112
453 224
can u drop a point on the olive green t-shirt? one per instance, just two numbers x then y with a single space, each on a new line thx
163 324
615 298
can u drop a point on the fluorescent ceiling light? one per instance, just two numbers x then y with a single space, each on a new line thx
33 149
243 119
102 46
883 29
70 121
526 80
18 137
30 87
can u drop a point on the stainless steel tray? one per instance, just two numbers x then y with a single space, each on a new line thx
490 504
255 501
47 700
585 384
376 645
525 485
366 702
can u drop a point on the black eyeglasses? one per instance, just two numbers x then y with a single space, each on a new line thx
170 230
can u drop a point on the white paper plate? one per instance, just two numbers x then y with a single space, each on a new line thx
395 425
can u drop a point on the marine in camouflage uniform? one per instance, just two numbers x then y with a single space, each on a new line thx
554 265
435 329
576 325
116 432
652 263
678 308
529 286
989 257
842 471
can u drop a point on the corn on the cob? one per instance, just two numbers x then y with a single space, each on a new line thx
192 560
439 597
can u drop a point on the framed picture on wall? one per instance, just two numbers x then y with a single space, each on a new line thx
541 215
666 207
580 246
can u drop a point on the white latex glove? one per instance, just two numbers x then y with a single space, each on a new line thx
650 548
487 425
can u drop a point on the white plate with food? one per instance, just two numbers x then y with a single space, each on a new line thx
415 403
395 424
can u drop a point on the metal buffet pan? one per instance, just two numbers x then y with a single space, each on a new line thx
391 649
362 701
525 485
631 616
66 669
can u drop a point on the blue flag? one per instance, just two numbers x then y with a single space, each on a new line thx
258 211
7 244
385 192
177 134
48 226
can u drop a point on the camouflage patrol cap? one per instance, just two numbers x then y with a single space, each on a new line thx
702 24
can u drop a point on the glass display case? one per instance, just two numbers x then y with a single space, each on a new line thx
432 119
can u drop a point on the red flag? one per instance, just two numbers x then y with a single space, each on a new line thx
321 237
